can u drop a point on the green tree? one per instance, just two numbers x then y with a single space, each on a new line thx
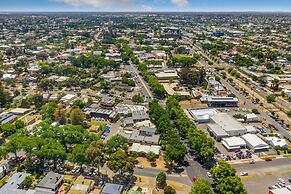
79 104
79 155
117 142
5 97
47 110
77 117
120 162
271 98
95 153
289 113
137 99
231 185
169 190
151 156
175 153
161 180
27 182
222 170
201 186
60 114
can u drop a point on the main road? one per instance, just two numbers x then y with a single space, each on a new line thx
248 104
145 86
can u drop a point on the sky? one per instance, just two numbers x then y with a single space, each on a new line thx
146 5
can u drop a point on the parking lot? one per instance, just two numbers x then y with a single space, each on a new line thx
263 175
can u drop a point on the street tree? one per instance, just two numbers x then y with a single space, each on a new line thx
161 180
201 186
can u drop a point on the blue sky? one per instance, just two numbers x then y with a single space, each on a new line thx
145 5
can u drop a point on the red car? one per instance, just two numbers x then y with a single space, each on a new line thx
194 179
268 159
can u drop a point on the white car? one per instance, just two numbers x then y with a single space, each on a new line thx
209 175
244 174
282 180
139 166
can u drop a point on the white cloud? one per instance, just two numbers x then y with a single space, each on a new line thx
180 3
146 7
98 3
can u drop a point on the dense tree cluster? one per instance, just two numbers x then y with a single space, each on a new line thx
170 140
154 83
93 61
193 77
227 182
199 141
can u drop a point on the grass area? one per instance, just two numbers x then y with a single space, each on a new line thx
181 56
3 180
287 155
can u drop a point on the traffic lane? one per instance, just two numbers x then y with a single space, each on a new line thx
194 169
152 172
281 130
246 102
264 166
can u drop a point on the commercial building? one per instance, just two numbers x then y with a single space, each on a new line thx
230 125
202 115
255 143
233 143
216 131
219 101
167 75
276 141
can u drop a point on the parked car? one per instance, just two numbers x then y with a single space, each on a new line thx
251 162
244 174
268 159
139 166
209 175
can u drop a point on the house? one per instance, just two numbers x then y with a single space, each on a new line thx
144 149
20 111
81 186
139 115
110 188
67 99
50 184
7 118
12 186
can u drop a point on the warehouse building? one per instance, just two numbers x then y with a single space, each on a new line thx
255 143
233 143
202 115
216 131
230 125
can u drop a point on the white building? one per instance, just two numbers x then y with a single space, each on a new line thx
276 141
254 142
202 115
230 125
252 118
233 143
